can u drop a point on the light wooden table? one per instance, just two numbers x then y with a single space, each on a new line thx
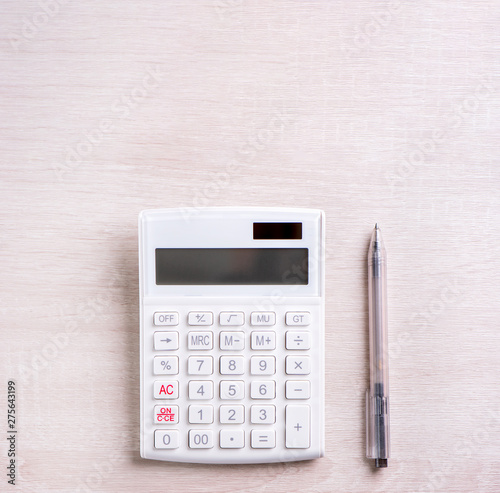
385 112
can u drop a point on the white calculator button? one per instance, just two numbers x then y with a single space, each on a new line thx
232 341
265 389
200 318
232 365
232 389
166 389
263 415
263 439
298 318
232 439
165 414
201 414
232 318
200 340
201 389
263 318
166 341
166 318
298 340
262 365
298 365
232 414
166 365
166 439
200 365
297 426
298 389
265 341
201 439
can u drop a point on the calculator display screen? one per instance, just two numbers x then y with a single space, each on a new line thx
238 266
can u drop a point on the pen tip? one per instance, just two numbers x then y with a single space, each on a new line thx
376 225
380 462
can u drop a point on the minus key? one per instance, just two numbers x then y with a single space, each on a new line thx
298 389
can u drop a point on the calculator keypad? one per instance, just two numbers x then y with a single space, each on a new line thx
232 379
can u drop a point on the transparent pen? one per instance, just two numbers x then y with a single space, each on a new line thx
377 396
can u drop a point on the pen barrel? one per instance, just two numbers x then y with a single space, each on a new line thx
377 323
377 396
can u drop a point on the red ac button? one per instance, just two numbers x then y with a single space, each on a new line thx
166 389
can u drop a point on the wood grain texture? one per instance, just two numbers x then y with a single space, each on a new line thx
386 112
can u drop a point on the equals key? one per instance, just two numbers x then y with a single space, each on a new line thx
263 439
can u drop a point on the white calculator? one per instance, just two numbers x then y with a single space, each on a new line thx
232 334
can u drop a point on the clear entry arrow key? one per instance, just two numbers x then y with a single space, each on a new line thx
166 341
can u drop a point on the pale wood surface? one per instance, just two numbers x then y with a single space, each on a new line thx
384 112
